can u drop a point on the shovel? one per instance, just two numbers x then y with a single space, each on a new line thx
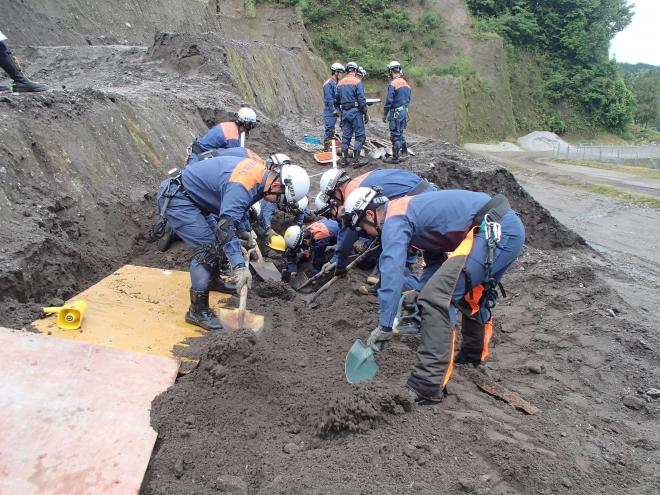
265 269
310 298
237 319
360 364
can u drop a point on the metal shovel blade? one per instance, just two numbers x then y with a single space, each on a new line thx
360 364
266 270
299 281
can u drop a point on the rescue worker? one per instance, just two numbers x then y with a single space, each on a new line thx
337 185
238 151
330 106
353 104
361 74
396 106
483 235
14 69
309 242
224 135
225 186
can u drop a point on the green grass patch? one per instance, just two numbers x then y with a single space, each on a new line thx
646 172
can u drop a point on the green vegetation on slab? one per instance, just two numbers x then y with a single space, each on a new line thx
372 32
572 85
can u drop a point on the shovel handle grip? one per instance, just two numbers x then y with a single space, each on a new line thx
312 297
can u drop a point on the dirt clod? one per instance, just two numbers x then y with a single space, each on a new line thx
231 485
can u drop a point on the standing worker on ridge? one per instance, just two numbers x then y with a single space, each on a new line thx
330 107
398 98
483 235
223 135
353 103
14 69
224 186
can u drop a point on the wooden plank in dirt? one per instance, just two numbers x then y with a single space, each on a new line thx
507 396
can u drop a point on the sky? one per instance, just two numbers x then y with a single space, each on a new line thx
640 41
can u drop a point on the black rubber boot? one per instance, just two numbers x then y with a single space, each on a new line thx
200 313
219 284
396 157
404 148
425 398
22 83
327 145
343 162
357 161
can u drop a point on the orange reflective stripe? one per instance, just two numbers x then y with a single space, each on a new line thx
248 172
254 156
450 368
399 82
352 186
230 130
398 207
465 246
326 83
318 230
488 334
477 292
348 80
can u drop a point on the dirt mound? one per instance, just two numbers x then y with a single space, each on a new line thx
359 411
449 167
540 141
276 412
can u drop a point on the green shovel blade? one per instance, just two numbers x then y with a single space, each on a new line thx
360 364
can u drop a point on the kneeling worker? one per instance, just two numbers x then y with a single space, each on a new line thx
226 187
223 135
484 236
312 242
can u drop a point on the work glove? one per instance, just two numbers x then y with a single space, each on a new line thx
243 277
361 245
328 267
366 118
385 119
286 276
378 336
247 240
268 235
335 113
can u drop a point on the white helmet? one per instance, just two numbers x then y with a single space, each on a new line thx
278 159
332 178
359 202
351 66
256 208
295 182
293 237
246 117
362 72
394 65
337 67
320 201
303 203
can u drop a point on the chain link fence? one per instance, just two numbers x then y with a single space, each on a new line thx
610 154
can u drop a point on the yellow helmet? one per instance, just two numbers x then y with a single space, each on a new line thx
277 243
